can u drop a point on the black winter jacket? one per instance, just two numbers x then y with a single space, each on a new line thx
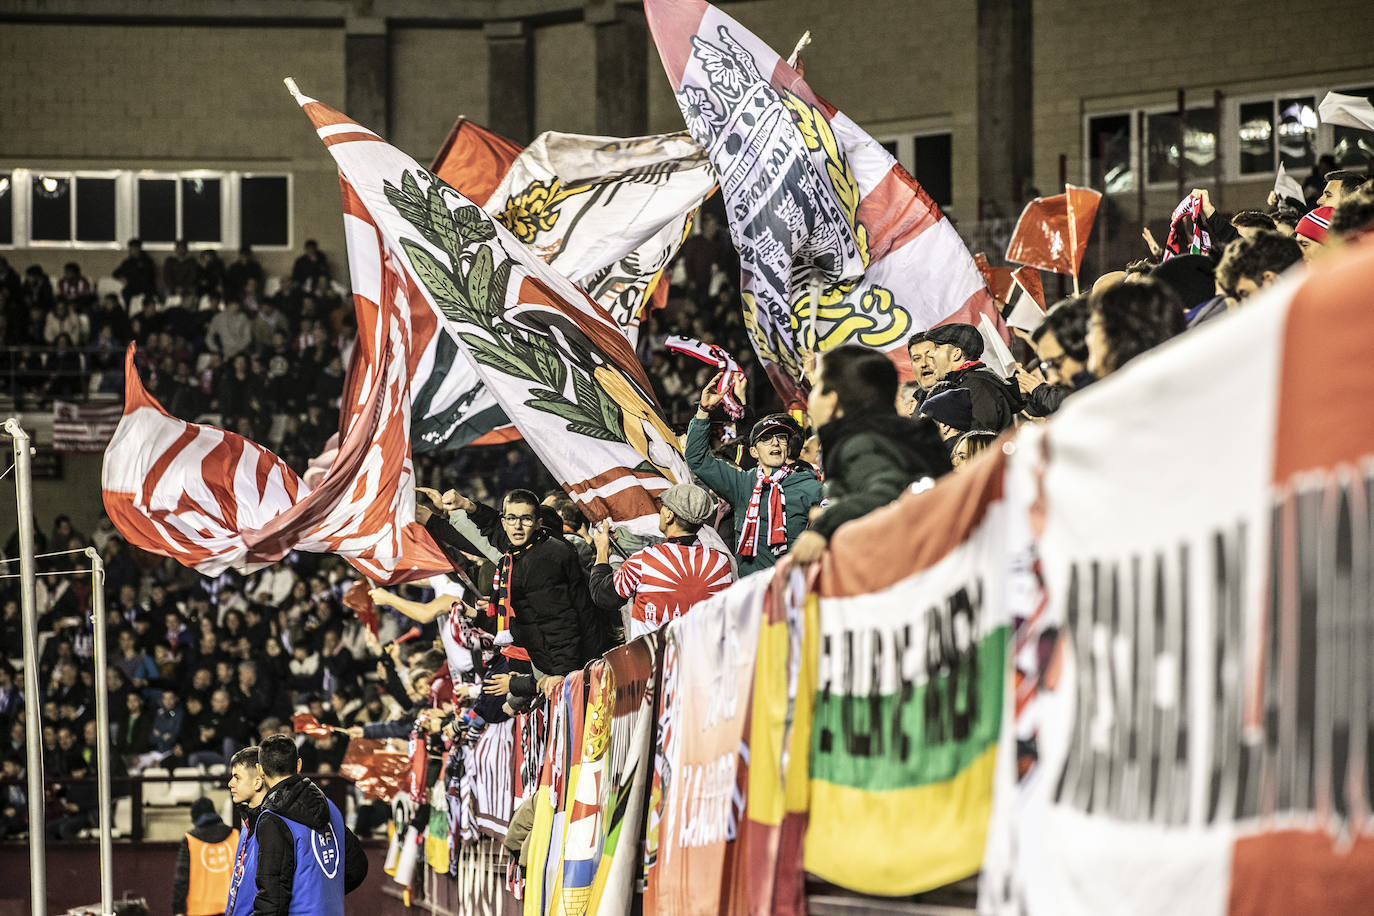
995 402
1045 399
870 459
300 800
209 829
555 620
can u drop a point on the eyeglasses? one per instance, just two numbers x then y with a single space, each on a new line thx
1052 364
524 521
775 437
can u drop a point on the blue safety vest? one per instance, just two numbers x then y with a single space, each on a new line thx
318 886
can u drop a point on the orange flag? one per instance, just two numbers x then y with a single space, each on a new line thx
1028 278
1052 233
998 279
474 160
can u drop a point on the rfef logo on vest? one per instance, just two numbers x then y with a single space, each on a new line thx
326 849
215 857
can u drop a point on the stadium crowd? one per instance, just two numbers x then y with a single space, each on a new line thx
201 668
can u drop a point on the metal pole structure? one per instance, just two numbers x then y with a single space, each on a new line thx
33 726
102 725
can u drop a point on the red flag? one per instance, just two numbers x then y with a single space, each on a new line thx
1052 233
378 767
360 603
1028 278
306 724
474 160
998 279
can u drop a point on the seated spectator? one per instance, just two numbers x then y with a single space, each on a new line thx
664 580
133 737
870 455
1128 320
137 271
78 803
244 268
167 723
73 288
311 269
180 272
958 348
230 331
14 806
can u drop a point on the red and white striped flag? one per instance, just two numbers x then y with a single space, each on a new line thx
213 500
83 427
557 363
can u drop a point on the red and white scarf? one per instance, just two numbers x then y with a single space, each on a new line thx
730 374
777 514
1200 243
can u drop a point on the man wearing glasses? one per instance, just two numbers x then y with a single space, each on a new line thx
1061 344
540 608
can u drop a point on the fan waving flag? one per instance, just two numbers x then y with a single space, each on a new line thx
556 362
814 204
213 500
607 213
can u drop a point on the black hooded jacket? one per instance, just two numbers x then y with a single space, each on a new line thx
295 798
870 459
209 829
555 620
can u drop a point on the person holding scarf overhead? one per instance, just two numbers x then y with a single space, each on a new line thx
772 502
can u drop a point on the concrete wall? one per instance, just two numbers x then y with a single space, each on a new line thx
123 96
565 78
437 74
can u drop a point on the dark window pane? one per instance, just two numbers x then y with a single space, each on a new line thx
890 146
264 211
934 167
6 209
1199 145
1353 148
1109 153
1256 137
52 209
157 209
95 209
200 209
1297 132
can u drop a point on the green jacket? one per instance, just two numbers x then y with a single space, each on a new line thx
800 491
870 460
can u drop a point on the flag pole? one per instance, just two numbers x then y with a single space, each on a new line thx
1073 236
106 746
33 722
814 297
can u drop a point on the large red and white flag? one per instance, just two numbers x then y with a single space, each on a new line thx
1202 724
556 362
813 201
607 213
213 500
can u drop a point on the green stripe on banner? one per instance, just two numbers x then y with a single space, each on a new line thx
926 734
